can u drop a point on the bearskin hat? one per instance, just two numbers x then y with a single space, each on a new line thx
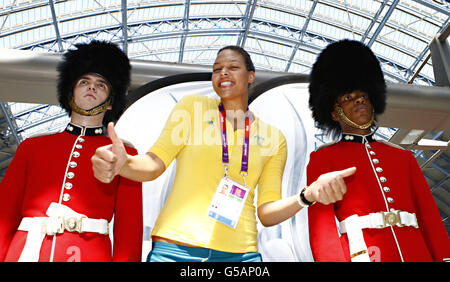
102 58
341 68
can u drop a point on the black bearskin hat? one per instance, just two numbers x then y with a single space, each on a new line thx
102 58
341 68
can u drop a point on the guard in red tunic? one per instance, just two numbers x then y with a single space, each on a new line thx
51 206
388 212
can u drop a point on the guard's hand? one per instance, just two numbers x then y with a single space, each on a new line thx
329 187
108 160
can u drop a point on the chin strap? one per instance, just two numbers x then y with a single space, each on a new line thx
91 112
350 123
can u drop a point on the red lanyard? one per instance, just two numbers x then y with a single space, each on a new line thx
245 146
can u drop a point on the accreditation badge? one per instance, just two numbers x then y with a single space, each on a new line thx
228 202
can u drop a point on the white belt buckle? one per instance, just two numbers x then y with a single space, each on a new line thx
391 219
72 224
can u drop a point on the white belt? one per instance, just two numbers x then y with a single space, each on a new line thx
354 224
60 218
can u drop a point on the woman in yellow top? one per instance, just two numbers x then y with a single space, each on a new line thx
223 152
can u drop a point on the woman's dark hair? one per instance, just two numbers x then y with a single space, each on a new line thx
248 61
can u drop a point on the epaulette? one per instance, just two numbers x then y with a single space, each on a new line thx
391 144
325 145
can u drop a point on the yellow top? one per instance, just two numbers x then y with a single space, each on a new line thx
192 136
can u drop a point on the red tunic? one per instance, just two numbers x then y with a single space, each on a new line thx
34 179
398 185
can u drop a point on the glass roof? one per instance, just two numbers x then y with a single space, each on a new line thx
281 35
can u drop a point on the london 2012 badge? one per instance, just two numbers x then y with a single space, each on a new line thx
228 202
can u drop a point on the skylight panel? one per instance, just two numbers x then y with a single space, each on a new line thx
414 23
289 4
24 19
155 13
213 41
269 47
427 70
332 31
296 68
89 23
370 7
273 53
275 30
268 63
196 10
33 35
394 55
280 17
417 8
401 39
305 57
202 56
359 23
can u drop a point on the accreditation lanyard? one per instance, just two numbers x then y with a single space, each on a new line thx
245 145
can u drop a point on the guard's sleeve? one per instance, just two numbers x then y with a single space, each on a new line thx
128 221
428 217
12 189
323 234
270 181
